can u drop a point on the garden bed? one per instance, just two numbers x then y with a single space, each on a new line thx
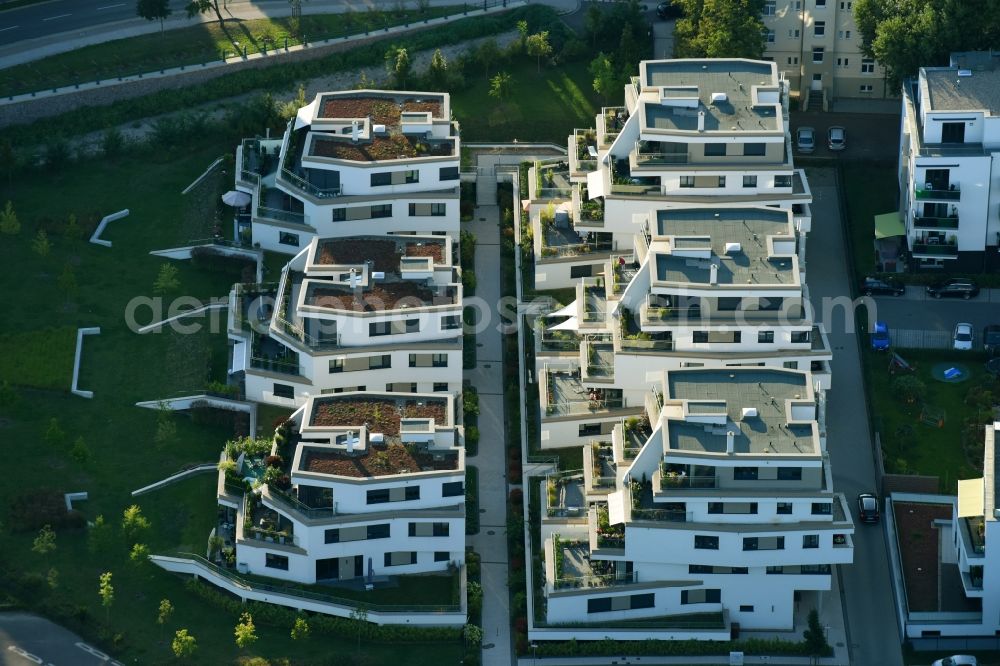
375 461
380 414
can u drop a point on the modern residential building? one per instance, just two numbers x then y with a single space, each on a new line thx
817 47
691 133
949 165
354 162
965 552
359 313
715 504
369 485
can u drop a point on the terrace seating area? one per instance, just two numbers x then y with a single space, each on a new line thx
568 396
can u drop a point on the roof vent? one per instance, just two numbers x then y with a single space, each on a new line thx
965 72
749 413
733 248
379 129
378 275
719 97
701 121
713 276
730 442
354 131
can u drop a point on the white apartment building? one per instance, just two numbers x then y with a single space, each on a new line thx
350 163
716 501
949 165
358 313
691 133
817 47
374 486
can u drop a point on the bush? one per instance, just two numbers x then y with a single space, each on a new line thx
31 510
469 281
213 259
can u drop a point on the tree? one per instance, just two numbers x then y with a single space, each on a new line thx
166 279
80 452
538 46
488 54
72 230
301 629
500 86
106 592
9 224
196 7
522 34
67 280
165 612
54 435
360 616
246 632
139 553
720 29
134 524
45 542
606 82
289 110
166 429
437 71
41 245
473 635
398 65
52 578
909 389
184 644
99 535
814 637
592 21
153 10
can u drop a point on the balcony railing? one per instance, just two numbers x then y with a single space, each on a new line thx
951 193
276 365
595 580
934 250
293 503
670 479
935 222
280 215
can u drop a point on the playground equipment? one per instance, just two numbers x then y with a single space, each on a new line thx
897 362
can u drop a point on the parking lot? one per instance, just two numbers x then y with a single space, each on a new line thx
870 136
916 320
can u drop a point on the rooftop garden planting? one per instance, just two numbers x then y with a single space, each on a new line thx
381 415
426 249
376 460
382 110
383 254
391 147
376 297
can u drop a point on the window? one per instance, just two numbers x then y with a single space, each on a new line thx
865 88
631 602
452 489
818 54
451 322
744 473
732 508
384 495
810 541
800 336
703 542
769 36
429 529
784 509
867 66
770 7
701 596
687 181
953 132
715 150
764 543
821 3
440 387
377 328
581 271
383 178
441 556
433 210
843 62
822 508
789 474
338 214
746 609
412 176
754 149
272 561
847 34
380 362
400 558
819 28
699 336
448 173
380 531
749 181
336 365
589 429
285 238
783 181
284 391
707 569
722 181
381 210
437 209
439 360
765 337
790 365
348 534
795 34
793 60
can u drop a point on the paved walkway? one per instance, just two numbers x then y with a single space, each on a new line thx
487 377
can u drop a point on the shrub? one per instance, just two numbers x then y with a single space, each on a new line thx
213 259
31 510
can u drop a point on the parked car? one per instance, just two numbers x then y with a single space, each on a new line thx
962 340
836 138
880 336
882 286
805 139
668 10
957 660
954 288
991 339
867 508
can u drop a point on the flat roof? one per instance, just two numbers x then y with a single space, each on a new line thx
766 390
948 91
734 77
380 413
385 252
681 233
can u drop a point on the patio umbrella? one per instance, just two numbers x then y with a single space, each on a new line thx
236 199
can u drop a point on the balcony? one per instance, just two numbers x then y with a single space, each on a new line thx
942 193
677 477
587 212
933 250
551 181
599 468
950 222
647 153
270 355
610 124
583 151
573 567
567 396
564 496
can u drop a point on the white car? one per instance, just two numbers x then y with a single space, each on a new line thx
836 138
805 139
957 660
962 340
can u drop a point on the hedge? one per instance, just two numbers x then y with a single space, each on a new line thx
687 648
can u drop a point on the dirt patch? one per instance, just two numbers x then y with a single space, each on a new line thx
382 253
433 250
380 415
918 549
376 461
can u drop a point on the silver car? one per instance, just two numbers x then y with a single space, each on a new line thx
836 138
805 139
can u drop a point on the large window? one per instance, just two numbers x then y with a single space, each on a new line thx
819 28
429 529
453 489
867 65
810 541
782 181
701 596
789 474
284 391
382 210
338 214
449 173
818 54
687 181
784 509
770 6
705 542
382 178
745 473
754 149
385 495
630 602
715 150
749 181
285 238
400 558
822 508
765 337
800 336
451 322
764 543
272 561
361 533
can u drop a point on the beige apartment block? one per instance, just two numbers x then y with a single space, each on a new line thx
817 47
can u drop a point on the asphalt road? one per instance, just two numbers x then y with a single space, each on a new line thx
55 16
868 604
28 639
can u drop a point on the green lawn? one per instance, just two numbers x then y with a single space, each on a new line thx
200 43
543 106
869 191
925 449
41 359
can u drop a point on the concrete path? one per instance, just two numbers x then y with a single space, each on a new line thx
487 377
868 602
30 639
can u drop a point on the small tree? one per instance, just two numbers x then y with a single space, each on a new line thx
52 578
437 72
41 245
538 47
301 629
522 34
153 10
605 79
107 593
500 86
814 637
166 429
80 452
139 553
909 389
184 644
72 230
134 524
246 632
54 435
488 54
99 535
9 224
360 616
45 542
165 612
398 65
473 635
166 279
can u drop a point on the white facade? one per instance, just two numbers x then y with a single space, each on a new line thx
949 165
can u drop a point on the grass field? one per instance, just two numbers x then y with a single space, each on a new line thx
41 359
869 191
119 446
200 43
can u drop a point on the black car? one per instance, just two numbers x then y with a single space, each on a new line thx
955 288
867 508
668 10
882 287
991 339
